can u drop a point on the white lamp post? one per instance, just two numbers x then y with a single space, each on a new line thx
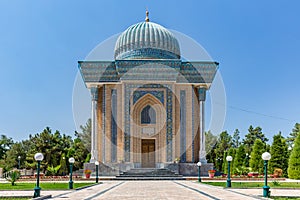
266 157
37 190
71 161
229 159
199 170
19 161
97 165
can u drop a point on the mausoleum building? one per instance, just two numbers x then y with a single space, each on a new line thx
147 103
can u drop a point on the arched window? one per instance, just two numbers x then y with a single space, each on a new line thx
148 115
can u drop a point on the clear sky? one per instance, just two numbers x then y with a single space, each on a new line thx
256 43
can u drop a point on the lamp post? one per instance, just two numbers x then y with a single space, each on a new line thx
229 159
64 162
97 165
37 190
71 161
199 170
19 161
266 157
247 160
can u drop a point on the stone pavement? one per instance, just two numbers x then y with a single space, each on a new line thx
156 190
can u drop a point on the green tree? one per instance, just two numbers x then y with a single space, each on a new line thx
17 149
5 144
236 138
253 134
224 143
210 145
279 154
85 134
294 161
256 162
79 152
239 161
231 152
63 170
293 135
52 146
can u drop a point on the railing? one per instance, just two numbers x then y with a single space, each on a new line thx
23 172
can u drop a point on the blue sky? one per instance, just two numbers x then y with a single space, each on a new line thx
255 42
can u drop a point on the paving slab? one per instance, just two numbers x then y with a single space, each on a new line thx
148 190
152 190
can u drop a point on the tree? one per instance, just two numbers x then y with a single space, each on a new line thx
253 134
294 161
85 134
256 162
239 160
63 170
5 144
236 138
79 152
52 146
17 149
293 135
224 142
279 153
210 145
230 152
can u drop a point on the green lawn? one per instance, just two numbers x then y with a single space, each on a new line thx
14 198
285 198
44 186
256 184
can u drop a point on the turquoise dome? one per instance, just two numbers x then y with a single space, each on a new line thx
146 40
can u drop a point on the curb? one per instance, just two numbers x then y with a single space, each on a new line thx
42 197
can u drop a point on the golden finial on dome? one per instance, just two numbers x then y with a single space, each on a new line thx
147 16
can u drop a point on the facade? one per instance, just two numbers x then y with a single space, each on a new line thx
147 104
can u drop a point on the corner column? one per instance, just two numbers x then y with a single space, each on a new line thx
94 121
202 97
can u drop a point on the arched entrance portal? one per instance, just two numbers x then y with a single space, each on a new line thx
149 117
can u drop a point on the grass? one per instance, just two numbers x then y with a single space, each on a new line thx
256 184
285 198
44 186
15 198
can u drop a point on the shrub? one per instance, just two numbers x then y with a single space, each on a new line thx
13 176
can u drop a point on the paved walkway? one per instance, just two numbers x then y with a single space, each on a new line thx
181 190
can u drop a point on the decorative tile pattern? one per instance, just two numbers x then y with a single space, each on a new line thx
182 126
193 124
103 123
140 93
128 92
114 125
202 94
167 70
94 93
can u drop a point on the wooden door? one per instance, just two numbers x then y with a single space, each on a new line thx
148 153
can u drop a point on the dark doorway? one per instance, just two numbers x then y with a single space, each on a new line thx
148 153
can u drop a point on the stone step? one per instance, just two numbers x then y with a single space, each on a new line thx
148 178
149 174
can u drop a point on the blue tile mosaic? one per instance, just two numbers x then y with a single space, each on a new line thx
169 128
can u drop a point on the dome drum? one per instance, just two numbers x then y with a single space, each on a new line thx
148 53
